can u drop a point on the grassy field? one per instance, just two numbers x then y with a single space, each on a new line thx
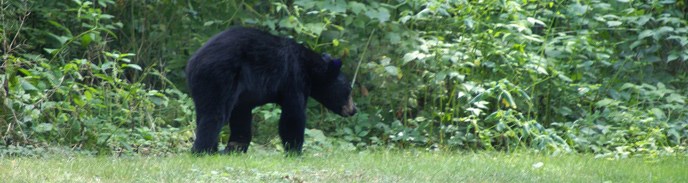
382 166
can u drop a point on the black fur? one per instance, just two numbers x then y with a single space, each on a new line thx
242 68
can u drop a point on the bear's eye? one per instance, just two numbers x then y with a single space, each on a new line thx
337 62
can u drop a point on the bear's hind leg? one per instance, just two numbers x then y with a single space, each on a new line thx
208 127
240 130
212 112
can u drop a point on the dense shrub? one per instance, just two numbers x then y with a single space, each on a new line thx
606 77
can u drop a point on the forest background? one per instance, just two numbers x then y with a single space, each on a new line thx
555 76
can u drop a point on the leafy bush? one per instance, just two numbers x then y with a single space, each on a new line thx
605 77
85 103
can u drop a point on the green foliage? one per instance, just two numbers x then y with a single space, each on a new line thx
606 77
86 103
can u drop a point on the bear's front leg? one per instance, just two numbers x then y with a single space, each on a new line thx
292 124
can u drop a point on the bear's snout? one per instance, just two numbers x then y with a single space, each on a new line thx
349 109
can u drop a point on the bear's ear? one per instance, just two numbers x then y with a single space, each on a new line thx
326 57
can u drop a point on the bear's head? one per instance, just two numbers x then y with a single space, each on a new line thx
334 92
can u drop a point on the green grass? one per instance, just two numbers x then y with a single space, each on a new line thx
382 166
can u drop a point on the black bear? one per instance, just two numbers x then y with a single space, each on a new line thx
242 68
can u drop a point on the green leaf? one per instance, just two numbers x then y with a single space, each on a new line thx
106 16
337 6
77 100
676 98
409 57
541 70
26 85
316 134
642 20
51 51
673 56
394 37
532 38
475 111
158 100
315 28
208 23
663 31
86 39
385 61
613 23
667 1
628 85
348 131
646 33
306 4
659 114
509 100
60 26
61 39
481 104
440 76
288 22
682 40
392 70
501 126
469 22
357 7
43 127
413 56
106 65
25 72
565 111
652 59
535 21
564 77
605 102
133 66
579 9
381 14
